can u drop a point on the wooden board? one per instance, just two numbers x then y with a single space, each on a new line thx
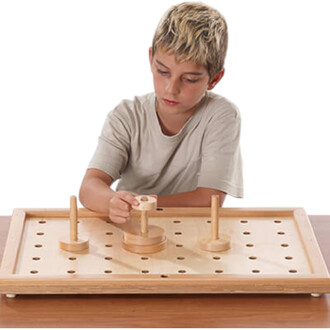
272 251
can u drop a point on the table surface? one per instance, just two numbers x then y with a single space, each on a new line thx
170 310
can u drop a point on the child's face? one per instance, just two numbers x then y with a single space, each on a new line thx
179 87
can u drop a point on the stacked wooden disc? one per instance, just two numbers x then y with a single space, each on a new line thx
140 237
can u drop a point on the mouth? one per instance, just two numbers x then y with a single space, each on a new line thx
170 102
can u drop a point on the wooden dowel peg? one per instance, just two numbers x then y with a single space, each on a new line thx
73 219
72 243
215 242
215 217
144 223
147 203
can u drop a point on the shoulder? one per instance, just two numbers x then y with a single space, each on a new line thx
129 108
220 107
131 114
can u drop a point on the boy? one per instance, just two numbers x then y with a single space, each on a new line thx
181 142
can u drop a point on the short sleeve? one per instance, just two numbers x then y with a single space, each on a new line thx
221 161
111 154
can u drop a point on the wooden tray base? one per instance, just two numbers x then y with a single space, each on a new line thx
271 251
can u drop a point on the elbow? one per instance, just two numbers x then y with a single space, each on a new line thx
206 196
83 193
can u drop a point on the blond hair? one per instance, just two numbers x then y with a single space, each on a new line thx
195 32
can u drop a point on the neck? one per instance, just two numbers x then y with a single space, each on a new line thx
171 124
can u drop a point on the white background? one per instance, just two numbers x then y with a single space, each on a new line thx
65 64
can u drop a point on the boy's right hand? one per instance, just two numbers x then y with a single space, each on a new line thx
120 206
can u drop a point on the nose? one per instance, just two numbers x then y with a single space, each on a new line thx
173 86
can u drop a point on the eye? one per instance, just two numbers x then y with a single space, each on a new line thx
191 81
163 73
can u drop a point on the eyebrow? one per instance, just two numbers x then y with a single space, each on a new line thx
192 73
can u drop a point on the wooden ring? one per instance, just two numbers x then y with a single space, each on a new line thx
147 203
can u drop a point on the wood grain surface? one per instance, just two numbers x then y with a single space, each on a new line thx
170 310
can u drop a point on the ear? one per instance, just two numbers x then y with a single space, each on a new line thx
216 79
150 55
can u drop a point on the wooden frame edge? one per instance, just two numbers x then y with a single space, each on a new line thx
311 246
157 285
13 242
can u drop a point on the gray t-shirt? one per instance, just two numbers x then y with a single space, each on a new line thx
205 153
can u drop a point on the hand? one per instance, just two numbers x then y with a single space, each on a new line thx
120 206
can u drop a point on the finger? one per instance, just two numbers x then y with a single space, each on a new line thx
120 213
120 205
128 198
119 220
119 216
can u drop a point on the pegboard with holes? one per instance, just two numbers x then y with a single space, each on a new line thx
272 251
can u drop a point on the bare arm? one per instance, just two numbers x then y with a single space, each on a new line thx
96 194
199 197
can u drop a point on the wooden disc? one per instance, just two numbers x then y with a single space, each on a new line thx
144 249
74 246
153 241
147 203
220 244
133 235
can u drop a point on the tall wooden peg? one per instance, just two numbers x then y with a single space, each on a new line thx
73 243
215 242
144 215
